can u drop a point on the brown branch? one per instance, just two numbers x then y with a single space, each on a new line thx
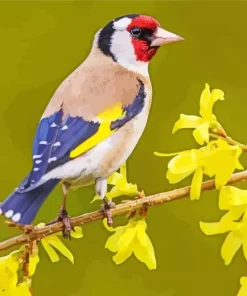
120 209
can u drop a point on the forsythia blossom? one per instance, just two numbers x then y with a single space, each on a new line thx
207 119
243 289
235 200
218 159
52 241
9 268
131 239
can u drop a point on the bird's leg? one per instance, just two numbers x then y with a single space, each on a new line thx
63 214
105 208
101 190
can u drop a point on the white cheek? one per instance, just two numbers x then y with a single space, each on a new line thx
122 47
123 50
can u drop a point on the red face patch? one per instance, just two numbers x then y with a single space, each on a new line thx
142 50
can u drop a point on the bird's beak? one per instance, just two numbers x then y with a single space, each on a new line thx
162 37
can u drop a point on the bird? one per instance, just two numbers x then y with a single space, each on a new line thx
94 119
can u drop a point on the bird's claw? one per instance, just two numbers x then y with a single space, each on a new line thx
105 208
64 217
66 220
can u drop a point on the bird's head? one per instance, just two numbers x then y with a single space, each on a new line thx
132 40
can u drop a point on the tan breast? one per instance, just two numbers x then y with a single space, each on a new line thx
96 85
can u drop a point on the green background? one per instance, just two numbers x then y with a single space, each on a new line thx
40 44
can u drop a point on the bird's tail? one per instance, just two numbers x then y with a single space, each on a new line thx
22 207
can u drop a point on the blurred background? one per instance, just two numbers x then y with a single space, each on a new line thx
41 43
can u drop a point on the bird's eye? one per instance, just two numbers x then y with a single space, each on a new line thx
136 32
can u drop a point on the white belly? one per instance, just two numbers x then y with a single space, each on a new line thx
106 157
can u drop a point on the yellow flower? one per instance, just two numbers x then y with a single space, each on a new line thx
233 199
129 239
121 185
9 267
236 237
221 162
206 121
185 164
225 224
243 289
52 241
217 159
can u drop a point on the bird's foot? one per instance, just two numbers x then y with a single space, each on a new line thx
64 217
106 209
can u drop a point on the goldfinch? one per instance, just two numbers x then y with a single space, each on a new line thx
94 119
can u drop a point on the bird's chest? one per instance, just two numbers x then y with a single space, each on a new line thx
109 155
